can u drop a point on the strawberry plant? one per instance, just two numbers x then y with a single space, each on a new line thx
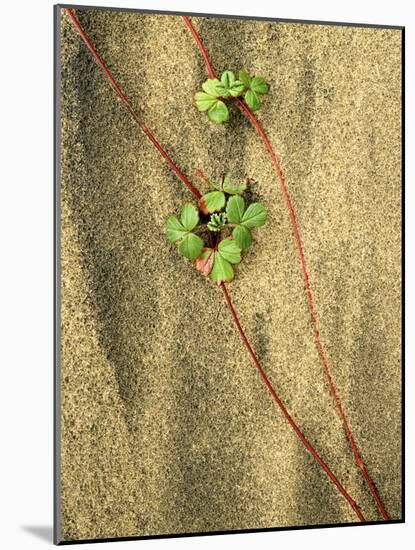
223 219
216 91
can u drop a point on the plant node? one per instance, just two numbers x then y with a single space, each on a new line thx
217 222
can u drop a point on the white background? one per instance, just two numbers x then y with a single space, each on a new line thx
26 282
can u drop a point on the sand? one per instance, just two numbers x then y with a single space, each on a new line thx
166 426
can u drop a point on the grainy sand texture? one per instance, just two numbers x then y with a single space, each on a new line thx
166 426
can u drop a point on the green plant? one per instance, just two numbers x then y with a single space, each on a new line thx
227 226
215 91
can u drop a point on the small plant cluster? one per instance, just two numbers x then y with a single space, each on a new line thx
224 220
215 91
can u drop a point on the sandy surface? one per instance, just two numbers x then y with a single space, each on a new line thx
166 425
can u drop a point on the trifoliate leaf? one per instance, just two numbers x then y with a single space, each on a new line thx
189 216
259 85
244 78
254 216
204 101
235 209
204 262
191 246
242 236
212 202
218 112
222 270
175 230
229 85
252 100
211 87
256 86
229 251
233 188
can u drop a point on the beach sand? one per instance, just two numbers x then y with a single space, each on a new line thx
166 426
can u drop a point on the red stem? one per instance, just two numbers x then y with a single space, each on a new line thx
287 415
129 106
312 310
311 307
200 44
195 191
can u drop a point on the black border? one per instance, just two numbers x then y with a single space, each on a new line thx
57 280
403 364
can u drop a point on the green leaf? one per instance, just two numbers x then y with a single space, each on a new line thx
256 86
252 100
229 85
237 89
229 251
204 101
227 79
242 237
226 82
175 230
244 78
235 209
211 87
255 216
222 270
233 189
218 112
191 246
212 202
259 85
189 216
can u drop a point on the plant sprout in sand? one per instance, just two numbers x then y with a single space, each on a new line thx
226 224
215 91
